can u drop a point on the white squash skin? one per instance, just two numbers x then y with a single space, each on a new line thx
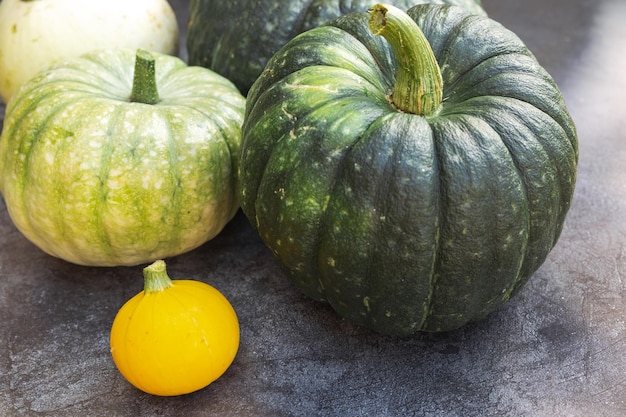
37 34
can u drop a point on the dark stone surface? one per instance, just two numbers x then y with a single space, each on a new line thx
556 349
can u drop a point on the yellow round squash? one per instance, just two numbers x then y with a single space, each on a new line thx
174 337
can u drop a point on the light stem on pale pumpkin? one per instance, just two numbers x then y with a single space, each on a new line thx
156 278
144 79
419 86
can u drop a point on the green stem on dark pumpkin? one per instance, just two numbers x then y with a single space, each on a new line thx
144 79
156 278
419 86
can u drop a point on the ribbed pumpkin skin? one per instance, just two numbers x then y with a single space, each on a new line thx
403 222
94 179
236 38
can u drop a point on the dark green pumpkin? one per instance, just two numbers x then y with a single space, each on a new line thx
235 38
405 221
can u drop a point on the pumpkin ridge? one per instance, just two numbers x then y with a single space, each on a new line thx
393 163
33 142
325 215
138 206
246 193
450 86
519 122
225 124
132 305
544 143
477 81
139 302
94 78
71 83
564 187
17 119
178 197
459 26
494 259
263 109
530 263
103 176
26 147
377 47
62 192
331 186
358 62
436 254
170 76
221 125
519 274
531 73
440 225
368 296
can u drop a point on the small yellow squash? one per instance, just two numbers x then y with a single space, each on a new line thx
174 337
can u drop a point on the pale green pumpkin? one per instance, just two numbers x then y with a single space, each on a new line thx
101 167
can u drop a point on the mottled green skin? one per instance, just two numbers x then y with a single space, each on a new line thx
237 38
94 179
403 222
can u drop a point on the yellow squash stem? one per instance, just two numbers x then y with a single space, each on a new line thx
156 278
144 79
419 86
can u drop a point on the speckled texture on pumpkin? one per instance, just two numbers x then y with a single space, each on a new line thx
403 222
97 180
237 38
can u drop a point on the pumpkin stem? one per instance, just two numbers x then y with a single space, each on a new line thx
144 79
419 86
156 278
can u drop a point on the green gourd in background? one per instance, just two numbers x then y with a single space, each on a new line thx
235 38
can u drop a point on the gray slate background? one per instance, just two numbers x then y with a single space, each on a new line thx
557 349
